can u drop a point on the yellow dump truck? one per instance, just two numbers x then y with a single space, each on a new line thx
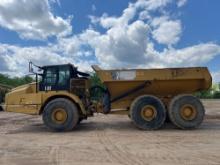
64 96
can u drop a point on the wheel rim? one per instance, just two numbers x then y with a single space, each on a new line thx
59 116
148 112
188 112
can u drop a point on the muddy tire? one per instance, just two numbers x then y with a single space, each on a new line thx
148 112
60 115
186 111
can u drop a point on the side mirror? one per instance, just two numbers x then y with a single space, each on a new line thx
31 67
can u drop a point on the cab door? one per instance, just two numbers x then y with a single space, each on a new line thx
56 78
63 82
49 80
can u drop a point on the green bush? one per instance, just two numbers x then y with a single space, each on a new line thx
216 95
208 94
10 82
14 81
204 94
95 80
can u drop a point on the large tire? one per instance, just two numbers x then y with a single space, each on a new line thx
139 112
67 118
186 111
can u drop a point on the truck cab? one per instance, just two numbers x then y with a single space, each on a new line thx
53 82
58 77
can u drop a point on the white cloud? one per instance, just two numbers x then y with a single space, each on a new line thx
15 58
32 19
119 46
70 46
196 55
132 49
93 7
216 77
144 15
56 1
125 43
129 13
181 3
108 22
168 32
151 5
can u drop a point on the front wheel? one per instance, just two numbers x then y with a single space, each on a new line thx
148 112
60 115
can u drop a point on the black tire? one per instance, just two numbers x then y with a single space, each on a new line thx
69 108
178 118
136 112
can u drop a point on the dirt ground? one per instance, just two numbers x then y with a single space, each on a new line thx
109 140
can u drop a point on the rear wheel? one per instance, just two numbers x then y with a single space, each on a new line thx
148 112
186 111
60 115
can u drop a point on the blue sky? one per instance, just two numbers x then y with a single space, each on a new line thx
111 33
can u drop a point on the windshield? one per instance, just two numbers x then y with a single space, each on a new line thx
50 76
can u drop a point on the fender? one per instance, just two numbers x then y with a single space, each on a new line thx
50 95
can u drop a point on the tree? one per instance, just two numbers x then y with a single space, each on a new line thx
15 81
10 82
212 93
97 89
95 80
204 94
216 95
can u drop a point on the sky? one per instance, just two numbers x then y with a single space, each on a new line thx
110 33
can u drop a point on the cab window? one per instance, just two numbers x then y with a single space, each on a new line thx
50 76
64 76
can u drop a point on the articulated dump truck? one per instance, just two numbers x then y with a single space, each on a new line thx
64 96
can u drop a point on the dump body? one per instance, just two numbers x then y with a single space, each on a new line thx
164 83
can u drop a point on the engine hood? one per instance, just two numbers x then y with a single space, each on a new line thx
13 96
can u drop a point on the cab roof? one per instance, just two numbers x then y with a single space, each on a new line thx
61 65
